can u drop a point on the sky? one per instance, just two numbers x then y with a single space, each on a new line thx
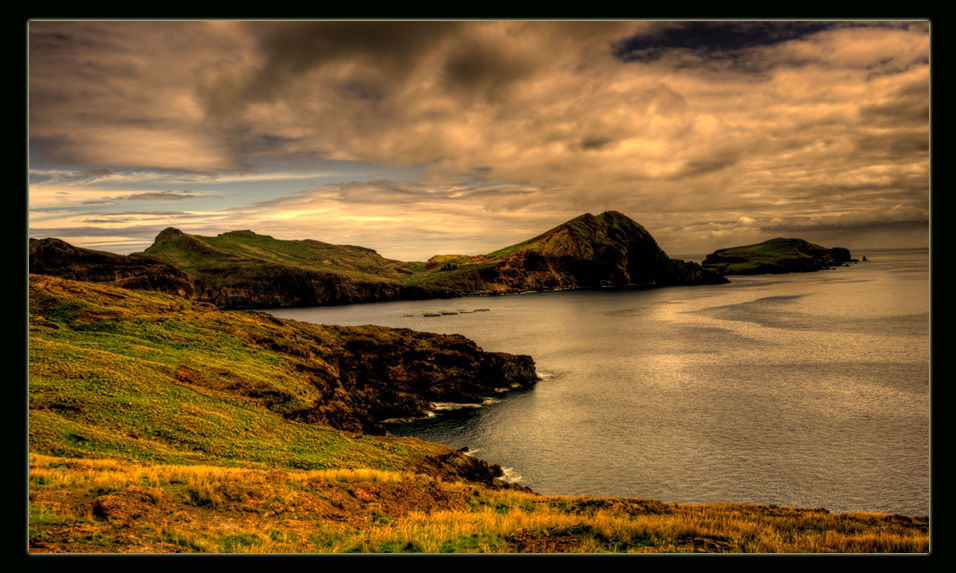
417 138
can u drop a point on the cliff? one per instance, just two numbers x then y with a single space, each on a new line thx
776 256
242 269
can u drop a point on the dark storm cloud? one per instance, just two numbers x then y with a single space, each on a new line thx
392 46
712 38
889 146
482 70
595 143
888 226
709 165
370 61
388 51
118 94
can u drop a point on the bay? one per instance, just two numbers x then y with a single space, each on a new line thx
804 389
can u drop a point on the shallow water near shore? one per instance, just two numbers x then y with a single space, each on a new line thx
807 389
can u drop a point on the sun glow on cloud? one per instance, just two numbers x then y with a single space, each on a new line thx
501 128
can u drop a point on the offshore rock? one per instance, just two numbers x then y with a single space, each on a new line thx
776 256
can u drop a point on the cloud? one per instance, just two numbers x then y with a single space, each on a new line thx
724 40
140 232
162 196
371 57
66 177
670 122
120 94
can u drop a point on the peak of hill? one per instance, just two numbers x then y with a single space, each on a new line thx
55 257
582 237
609 249
587 237
250 248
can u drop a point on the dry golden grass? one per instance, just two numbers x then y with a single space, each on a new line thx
214 509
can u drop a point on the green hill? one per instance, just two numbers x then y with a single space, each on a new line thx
242 269
214 256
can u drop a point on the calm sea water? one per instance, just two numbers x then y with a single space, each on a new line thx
808 390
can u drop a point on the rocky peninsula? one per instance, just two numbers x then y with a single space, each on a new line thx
349 378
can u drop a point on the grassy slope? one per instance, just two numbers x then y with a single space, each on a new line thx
220 260
576 238
144 376
199 256
130 454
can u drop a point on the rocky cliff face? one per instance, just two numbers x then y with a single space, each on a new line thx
776 256
279 286
398 373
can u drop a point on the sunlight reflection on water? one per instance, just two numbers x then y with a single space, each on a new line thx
804 389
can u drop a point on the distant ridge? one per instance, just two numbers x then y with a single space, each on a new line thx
242 269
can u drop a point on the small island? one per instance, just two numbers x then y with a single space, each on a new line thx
776 256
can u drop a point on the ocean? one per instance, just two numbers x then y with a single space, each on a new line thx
804 389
